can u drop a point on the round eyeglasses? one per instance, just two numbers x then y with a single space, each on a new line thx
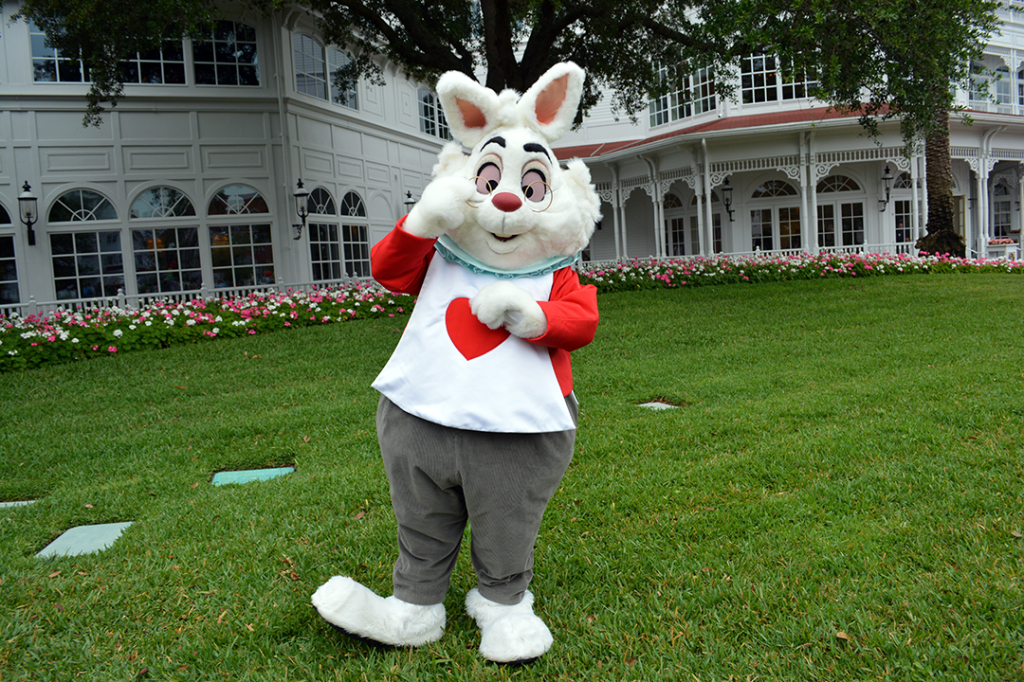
538 194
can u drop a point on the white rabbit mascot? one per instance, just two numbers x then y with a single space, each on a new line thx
477 417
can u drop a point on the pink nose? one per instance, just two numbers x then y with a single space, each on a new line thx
506 201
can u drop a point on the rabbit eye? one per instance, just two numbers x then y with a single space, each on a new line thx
534 187
488 175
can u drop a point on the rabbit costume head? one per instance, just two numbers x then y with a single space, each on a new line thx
516 207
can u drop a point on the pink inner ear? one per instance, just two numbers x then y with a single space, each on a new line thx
472 115
551 99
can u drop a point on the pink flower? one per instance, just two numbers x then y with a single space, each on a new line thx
111 349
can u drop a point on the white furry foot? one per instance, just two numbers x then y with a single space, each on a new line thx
357 611
508 634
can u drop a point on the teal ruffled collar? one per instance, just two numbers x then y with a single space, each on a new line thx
453 253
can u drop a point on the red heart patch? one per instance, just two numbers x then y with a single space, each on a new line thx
471 337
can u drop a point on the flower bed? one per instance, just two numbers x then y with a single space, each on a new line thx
62 335
655 274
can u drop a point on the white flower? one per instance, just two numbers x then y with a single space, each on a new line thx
74 340
118 333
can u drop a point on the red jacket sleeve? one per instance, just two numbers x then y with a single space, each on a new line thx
571 311
399 261
572 322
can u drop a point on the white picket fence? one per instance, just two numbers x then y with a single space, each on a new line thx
125 301
136 301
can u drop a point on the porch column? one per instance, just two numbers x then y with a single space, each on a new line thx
1020 205
915 198
614 198
979 205
808 233
704 187
653 189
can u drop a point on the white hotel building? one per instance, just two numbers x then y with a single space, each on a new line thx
187 185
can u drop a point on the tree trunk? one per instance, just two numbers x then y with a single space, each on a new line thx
939 170
942 237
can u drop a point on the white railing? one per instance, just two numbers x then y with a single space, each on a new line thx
136 301
890 248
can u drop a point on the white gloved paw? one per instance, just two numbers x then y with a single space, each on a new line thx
503 304
441 208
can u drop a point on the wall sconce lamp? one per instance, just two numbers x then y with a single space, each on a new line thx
409 201
301 196
887 181
727 199
28 210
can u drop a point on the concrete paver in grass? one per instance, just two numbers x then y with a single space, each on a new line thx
227 477
658 406
84 540
20 503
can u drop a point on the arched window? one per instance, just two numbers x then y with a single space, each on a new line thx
227 55
324 245
352 205
8 266
242 251
166 256
321 202
904 181
161 202
672 201
81 205
837 183
714 198
85 264
778 225
355 236
774 188
237 200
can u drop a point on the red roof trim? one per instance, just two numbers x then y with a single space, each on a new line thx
718 124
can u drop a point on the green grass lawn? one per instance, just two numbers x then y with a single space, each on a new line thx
838 496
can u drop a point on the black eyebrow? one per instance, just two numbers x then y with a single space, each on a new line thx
497 140
534 147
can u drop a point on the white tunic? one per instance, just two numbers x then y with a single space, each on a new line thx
508 388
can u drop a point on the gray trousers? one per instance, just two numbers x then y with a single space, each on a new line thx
443 477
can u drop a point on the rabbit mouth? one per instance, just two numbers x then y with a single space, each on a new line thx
504 238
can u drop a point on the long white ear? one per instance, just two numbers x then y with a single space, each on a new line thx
470 108
550 104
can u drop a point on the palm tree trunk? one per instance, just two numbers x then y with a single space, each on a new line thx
940 175
942 237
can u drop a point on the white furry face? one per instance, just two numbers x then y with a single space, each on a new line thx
524 210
